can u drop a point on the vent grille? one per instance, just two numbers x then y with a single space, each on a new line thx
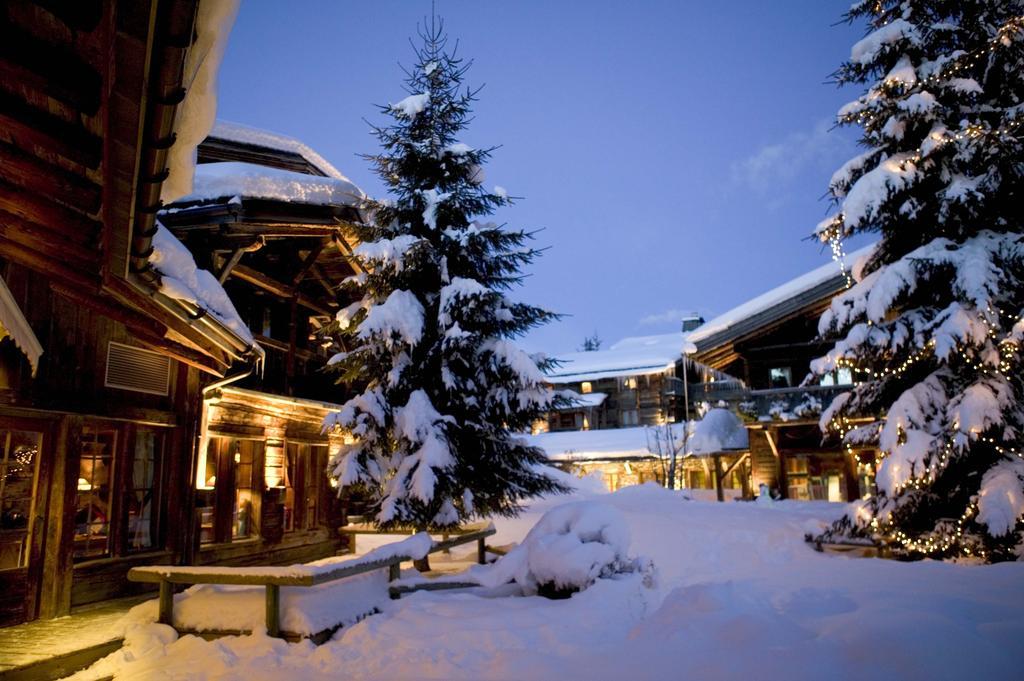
131 368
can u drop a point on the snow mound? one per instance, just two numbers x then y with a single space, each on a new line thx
720 430
570 547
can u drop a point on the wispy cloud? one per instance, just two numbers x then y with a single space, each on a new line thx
775 167
673 316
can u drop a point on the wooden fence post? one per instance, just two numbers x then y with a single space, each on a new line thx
394 571
481 551
273 610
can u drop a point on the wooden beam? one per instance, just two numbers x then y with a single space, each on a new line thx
49 244
735 463
29 206
281 290
260 280
225 271
50 68
81 15
318 274
49 180
31 128
56 269
309 261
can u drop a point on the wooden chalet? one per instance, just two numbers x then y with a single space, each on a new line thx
635 382
620 456
99 415
765 346
270 218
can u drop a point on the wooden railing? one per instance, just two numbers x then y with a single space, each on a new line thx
274 578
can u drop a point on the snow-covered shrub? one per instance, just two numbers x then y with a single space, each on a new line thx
569 548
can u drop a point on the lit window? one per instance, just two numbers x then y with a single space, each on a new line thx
629 383
226 503
586 388
19 462
780 377
242 524
95 498
144 495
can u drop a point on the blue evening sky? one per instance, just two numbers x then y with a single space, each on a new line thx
674 153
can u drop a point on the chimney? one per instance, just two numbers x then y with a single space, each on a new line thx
692 322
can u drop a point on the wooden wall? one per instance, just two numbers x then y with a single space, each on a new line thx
68 392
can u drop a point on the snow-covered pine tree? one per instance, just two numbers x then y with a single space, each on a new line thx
933 325
430 338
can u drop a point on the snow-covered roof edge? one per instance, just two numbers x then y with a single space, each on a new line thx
246 134
248 180
631 356
181 279
195 115
603 443
820 276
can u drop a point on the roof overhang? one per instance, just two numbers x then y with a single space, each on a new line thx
13 325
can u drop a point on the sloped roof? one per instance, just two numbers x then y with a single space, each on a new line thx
634 356
776 304
230 141
611 443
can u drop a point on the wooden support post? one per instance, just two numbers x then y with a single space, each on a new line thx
225 271
718 477
273 610
481 551
444 537
166 603
394 571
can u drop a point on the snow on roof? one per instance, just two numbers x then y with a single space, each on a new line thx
719 431
635 356
181 279
195 115
590 399
247 180
777 295
244 134
612 443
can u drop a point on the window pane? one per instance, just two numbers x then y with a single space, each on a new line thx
780 377
94 508
292 456
243 522
19 461
206 496
143 496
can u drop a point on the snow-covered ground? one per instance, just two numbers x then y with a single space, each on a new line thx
739 595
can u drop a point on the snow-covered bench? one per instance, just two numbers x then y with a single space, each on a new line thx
390 556
454 537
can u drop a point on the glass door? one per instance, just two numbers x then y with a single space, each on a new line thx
21 446
19 477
